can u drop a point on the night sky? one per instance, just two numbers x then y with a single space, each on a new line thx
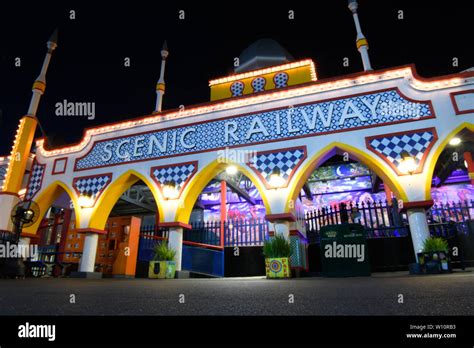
88 65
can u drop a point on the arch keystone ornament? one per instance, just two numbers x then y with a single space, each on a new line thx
390 147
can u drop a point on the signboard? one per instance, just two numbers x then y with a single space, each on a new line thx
335 115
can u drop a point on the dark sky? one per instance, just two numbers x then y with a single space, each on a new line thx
88 64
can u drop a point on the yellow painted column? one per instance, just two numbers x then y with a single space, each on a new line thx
22 145
19 155
15 171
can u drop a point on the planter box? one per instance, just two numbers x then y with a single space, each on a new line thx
278 267
162 269
435 262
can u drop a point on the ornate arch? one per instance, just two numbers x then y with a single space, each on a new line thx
47 197
200 181
112 193
330 150
437 153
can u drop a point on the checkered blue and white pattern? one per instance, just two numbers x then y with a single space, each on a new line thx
179 174
36 178
92 186
258 84
237 88
306 120
3 172
285 160
391 147
281 80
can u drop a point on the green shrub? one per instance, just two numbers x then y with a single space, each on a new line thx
163 252
435 244
276 247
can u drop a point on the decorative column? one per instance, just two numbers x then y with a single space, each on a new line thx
419 229
281 223
89 253
175 240
160 85
22 145
223 209
361 41
388 194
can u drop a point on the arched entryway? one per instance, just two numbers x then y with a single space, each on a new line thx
225 207
341 184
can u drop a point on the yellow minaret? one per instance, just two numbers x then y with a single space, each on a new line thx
22 143
160 85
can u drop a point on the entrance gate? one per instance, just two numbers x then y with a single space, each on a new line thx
204 251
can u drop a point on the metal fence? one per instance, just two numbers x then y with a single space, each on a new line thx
451 218
383 220
150 235
379 219
245 232
203 232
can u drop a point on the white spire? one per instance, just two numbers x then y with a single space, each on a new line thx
361 41
160 86
39 85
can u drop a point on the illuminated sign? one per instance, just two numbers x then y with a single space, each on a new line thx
335 115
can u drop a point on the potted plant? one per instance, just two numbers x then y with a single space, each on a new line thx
163 264
435 256
277 251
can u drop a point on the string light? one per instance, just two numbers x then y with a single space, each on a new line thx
273 69
321 86
10 158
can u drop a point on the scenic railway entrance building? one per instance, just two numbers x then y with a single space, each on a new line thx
275 150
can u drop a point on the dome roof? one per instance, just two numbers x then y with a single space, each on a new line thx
261 54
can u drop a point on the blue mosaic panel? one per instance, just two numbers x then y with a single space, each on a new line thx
237 88
285 123
3 172
36 178
91 186
179 174
391 147
285 160
258 84
281 80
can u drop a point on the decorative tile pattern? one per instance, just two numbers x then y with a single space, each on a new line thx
237 88
305 120
91 186
296 257
36 179
390 146
3 172
281 80
180 174
258 84
287 160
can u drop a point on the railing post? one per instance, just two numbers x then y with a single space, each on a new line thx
343 213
